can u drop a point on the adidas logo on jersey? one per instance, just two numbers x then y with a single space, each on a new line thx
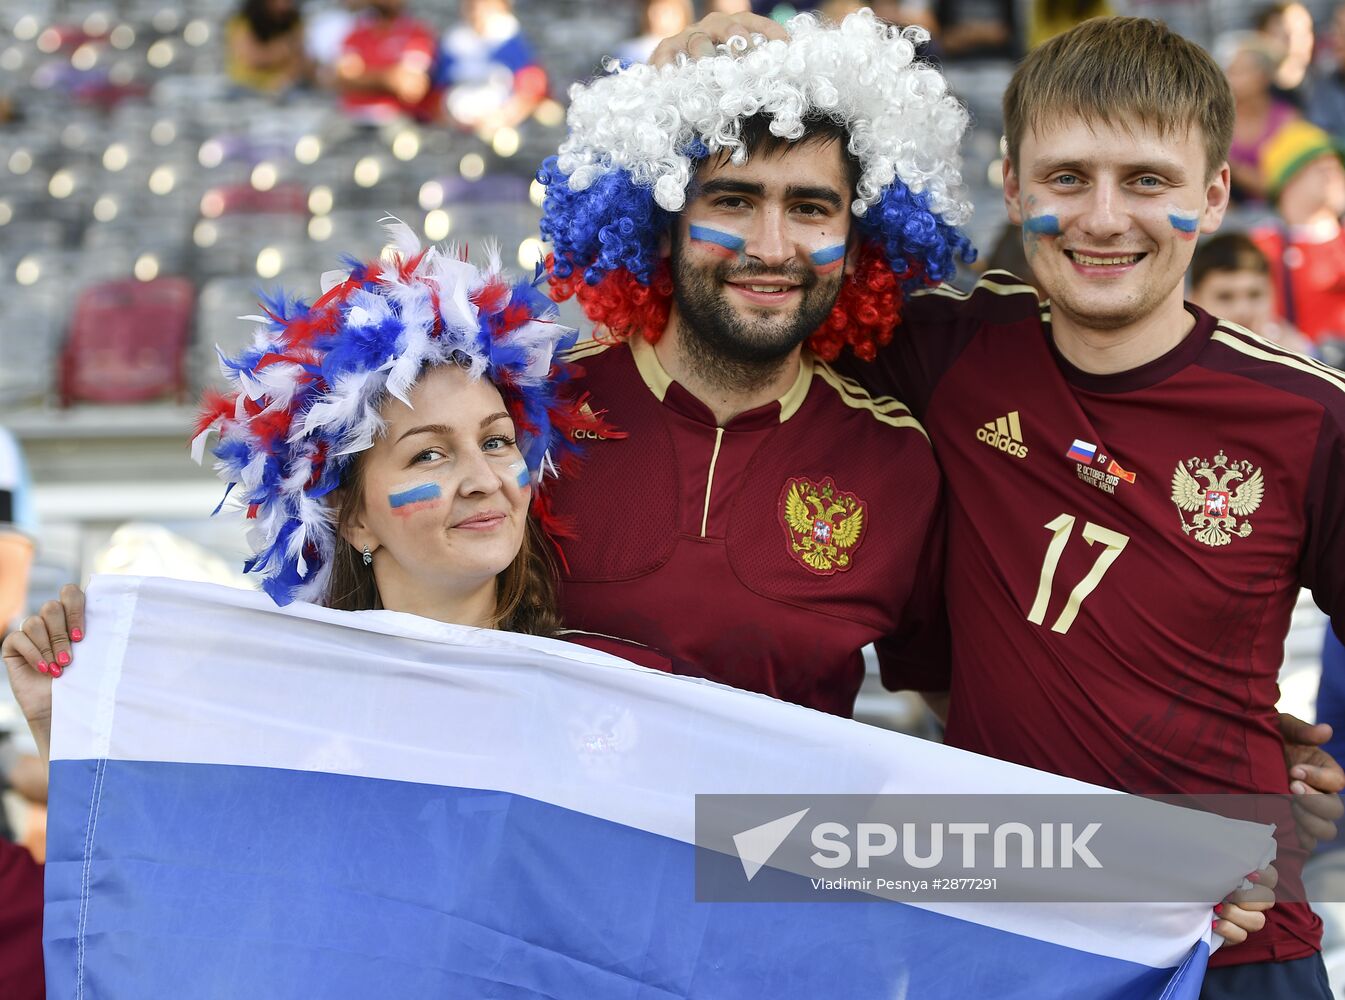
1004 434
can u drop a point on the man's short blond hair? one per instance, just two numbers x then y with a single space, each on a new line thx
1122 72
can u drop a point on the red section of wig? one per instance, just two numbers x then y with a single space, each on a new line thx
619 305
867 309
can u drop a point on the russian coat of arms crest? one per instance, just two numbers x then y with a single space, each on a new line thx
1218 496
824 525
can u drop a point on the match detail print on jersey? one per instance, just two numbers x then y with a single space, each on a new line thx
1004 434
1216 493
824 525
1097 469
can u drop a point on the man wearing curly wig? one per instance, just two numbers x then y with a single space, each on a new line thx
760 519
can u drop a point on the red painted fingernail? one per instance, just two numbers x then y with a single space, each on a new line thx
1214 925
42 666
1254 877
1218 907
77 634
55 670
63 658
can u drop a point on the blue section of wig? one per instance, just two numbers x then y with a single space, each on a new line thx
910 232
615 224
611 225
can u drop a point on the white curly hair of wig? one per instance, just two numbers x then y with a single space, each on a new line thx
901 120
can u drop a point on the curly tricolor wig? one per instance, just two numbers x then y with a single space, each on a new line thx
637 136
307 393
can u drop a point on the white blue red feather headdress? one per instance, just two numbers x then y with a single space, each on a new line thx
307 393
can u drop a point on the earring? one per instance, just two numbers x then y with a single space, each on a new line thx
368 557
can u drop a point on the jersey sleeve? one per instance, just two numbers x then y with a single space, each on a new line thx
1322 569
918 655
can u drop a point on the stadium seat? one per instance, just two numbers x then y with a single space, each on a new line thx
127 342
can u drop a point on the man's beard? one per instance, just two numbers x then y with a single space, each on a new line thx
733 352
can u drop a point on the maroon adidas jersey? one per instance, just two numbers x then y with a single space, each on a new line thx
763 554
1124 551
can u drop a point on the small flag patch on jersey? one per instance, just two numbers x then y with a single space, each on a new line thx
1115 469
1082 451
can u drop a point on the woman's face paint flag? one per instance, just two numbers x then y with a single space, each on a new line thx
246 798
414 497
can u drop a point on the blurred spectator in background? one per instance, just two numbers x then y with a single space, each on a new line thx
1230 278
266 46
977 29
490 72
1304 176
918 12
1048 18
1249 59
1324 874
17 531
1326 102
838 10
1288 26
384 68
660 19
325 32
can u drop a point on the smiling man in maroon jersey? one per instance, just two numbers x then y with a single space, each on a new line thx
759 518
1136 492
1120 580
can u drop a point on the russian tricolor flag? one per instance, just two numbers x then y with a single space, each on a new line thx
1082 451
251 801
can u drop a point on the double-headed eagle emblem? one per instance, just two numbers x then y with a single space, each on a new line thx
1205 489
824 524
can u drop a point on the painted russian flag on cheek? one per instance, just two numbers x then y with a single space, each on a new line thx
828 259
522 477
405 502
718 242
252 801
1186 223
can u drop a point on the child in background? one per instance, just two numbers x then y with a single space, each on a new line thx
488 69
1305 179
1230 278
